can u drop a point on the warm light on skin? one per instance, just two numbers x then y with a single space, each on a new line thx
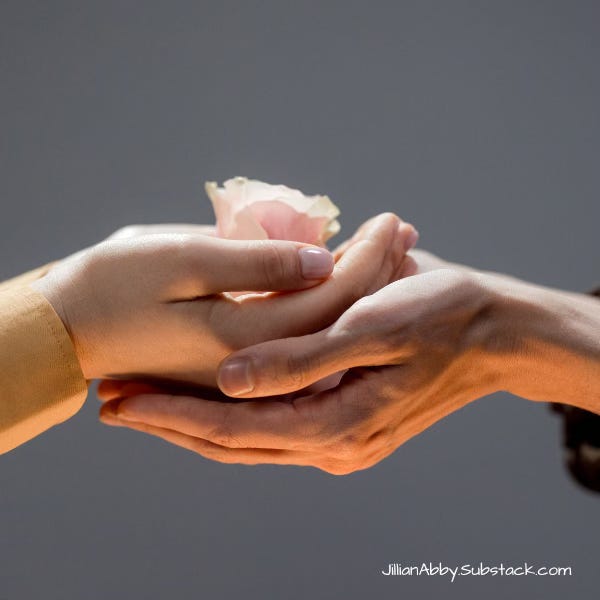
124 325
448 336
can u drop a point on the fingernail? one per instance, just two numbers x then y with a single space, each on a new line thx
235 377
108 413
316 263
108 419
122 414
118 410
112 408
411 240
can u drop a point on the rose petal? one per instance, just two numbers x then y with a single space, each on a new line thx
250 209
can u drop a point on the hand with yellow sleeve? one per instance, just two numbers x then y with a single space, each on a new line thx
151 303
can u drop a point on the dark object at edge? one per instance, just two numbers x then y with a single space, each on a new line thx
581 440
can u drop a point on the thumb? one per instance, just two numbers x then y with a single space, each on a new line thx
262 265
287 365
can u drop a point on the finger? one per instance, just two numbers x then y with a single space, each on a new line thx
291 364
320 430
407 238
109 389
216 265
408 268
408 234
341 248
222 454
253 424
136 230
112 389
368 265
373 256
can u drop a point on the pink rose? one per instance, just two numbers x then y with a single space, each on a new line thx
247 209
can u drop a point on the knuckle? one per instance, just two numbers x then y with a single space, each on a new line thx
274 265
189 265
456 279
364 308
127 232
299 368
368 323
222 434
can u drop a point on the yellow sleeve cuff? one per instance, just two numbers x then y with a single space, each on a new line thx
41 382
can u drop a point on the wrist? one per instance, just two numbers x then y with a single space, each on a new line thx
60 286
544 343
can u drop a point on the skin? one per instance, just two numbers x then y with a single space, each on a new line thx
416 351
150 300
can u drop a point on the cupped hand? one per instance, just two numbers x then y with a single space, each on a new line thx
414 352
151 305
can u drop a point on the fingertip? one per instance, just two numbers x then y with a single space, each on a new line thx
409 267
411 239
386 219
108 413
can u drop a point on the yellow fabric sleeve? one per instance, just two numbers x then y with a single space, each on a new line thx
41 383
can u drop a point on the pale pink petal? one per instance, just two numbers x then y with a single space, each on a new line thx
250 209
244 226
282 222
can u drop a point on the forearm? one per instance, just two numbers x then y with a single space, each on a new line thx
546 342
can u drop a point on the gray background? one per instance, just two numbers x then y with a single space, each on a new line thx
477 121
